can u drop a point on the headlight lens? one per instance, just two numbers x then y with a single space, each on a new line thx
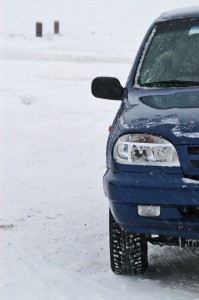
145 149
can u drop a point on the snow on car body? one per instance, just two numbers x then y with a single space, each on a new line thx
152 178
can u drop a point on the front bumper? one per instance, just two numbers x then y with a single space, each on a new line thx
179 202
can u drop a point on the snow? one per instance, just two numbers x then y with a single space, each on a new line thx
191 135
188 180
143 55
54 216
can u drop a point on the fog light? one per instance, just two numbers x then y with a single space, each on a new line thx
148 211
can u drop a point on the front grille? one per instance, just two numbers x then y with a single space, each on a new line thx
193 150
193 153
195 163
193 177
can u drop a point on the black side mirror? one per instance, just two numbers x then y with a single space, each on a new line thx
107 88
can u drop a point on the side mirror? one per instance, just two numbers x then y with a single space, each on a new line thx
107 88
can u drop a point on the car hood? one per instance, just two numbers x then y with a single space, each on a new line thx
174 115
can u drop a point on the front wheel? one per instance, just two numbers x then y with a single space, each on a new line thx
128 251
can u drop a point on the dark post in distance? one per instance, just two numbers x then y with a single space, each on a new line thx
56 27
39 29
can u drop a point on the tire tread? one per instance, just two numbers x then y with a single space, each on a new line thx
128 251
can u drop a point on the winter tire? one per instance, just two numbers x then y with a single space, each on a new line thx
128 251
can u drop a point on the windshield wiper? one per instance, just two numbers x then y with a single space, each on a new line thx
171 83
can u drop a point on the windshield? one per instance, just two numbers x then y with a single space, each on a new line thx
172 57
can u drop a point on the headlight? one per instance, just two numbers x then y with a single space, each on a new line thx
145 149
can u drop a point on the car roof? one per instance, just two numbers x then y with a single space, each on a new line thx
182 13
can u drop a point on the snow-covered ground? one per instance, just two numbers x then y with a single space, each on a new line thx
53 213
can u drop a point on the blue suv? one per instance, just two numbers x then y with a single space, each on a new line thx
152 177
